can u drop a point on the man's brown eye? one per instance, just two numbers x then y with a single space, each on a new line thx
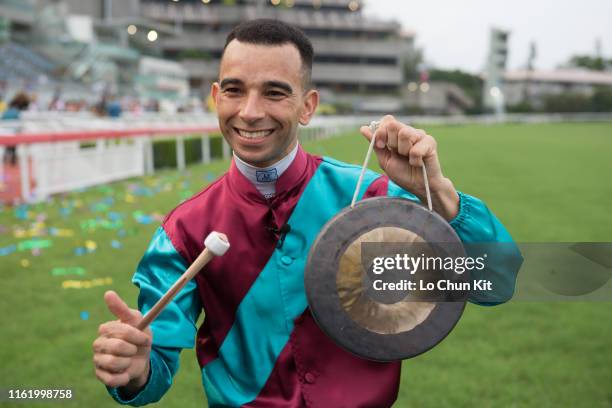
276 93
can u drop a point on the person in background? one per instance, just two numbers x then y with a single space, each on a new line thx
113 108
19 103
3 104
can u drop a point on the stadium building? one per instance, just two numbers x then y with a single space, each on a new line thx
359 61
535 86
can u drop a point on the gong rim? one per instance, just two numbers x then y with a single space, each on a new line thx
322 269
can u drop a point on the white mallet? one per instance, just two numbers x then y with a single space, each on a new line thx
215 244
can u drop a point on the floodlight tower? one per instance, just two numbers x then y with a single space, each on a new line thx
493 96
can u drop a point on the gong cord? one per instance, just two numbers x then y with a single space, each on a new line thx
373 126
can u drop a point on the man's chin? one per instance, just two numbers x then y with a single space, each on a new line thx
257 159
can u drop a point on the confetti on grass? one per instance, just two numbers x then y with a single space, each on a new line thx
61 232
142 218
8 250
72 270
86 284
33 244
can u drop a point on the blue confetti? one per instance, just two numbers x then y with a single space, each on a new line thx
84 315
65 211
115 244
21 212
8 250
145 219
114 216
78 251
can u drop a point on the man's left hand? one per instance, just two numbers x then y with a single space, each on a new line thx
401 151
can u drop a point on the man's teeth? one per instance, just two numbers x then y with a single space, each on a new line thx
254 135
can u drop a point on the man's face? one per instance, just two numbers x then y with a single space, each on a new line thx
261 100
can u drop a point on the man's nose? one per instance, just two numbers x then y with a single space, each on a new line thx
252 108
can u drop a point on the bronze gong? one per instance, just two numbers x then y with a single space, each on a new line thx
381 325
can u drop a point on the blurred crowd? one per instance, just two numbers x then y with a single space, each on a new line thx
108 105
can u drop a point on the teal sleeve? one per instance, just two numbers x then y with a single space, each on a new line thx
485 234
175 328
481 232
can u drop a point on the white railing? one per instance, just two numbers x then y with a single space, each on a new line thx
66 152
52 142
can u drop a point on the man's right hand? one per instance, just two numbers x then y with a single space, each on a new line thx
121 351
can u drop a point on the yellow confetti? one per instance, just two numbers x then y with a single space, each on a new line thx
129 198
31 233
64 233
91 245
25 263
86 284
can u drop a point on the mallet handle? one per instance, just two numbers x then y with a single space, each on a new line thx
195 267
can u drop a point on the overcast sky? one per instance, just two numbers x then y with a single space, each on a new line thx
455 34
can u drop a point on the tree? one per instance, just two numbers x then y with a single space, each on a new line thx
602 100
470 84
592 63
567 103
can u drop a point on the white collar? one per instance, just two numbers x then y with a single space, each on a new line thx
264 178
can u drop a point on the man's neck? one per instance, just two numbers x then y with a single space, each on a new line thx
264 178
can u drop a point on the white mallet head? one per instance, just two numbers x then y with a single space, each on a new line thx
217 243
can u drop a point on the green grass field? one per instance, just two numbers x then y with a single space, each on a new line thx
545 182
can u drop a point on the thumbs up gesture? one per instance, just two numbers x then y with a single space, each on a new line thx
121 351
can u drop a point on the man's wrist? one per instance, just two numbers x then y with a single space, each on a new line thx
444 199
131 389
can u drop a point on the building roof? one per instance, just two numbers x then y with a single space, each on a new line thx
571 76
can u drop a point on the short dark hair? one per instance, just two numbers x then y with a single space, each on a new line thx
20 101
266 31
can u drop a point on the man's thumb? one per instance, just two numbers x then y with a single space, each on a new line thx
120 309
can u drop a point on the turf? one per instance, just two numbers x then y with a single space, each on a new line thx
545 182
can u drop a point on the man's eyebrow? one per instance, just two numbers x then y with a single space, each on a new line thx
279 84
230 81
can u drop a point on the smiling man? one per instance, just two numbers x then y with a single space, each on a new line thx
259 345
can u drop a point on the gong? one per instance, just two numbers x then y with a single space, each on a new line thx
382 325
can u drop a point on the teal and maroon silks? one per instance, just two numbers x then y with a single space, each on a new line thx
259 346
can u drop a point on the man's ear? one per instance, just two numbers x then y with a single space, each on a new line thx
311 101
214 91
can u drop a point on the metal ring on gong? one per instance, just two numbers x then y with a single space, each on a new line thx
335 281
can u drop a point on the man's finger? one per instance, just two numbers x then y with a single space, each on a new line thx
124 331
386 134
420 151
112 380
111 364
406 138
117 347
366 132
120 309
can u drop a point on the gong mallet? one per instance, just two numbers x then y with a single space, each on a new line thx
215 244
